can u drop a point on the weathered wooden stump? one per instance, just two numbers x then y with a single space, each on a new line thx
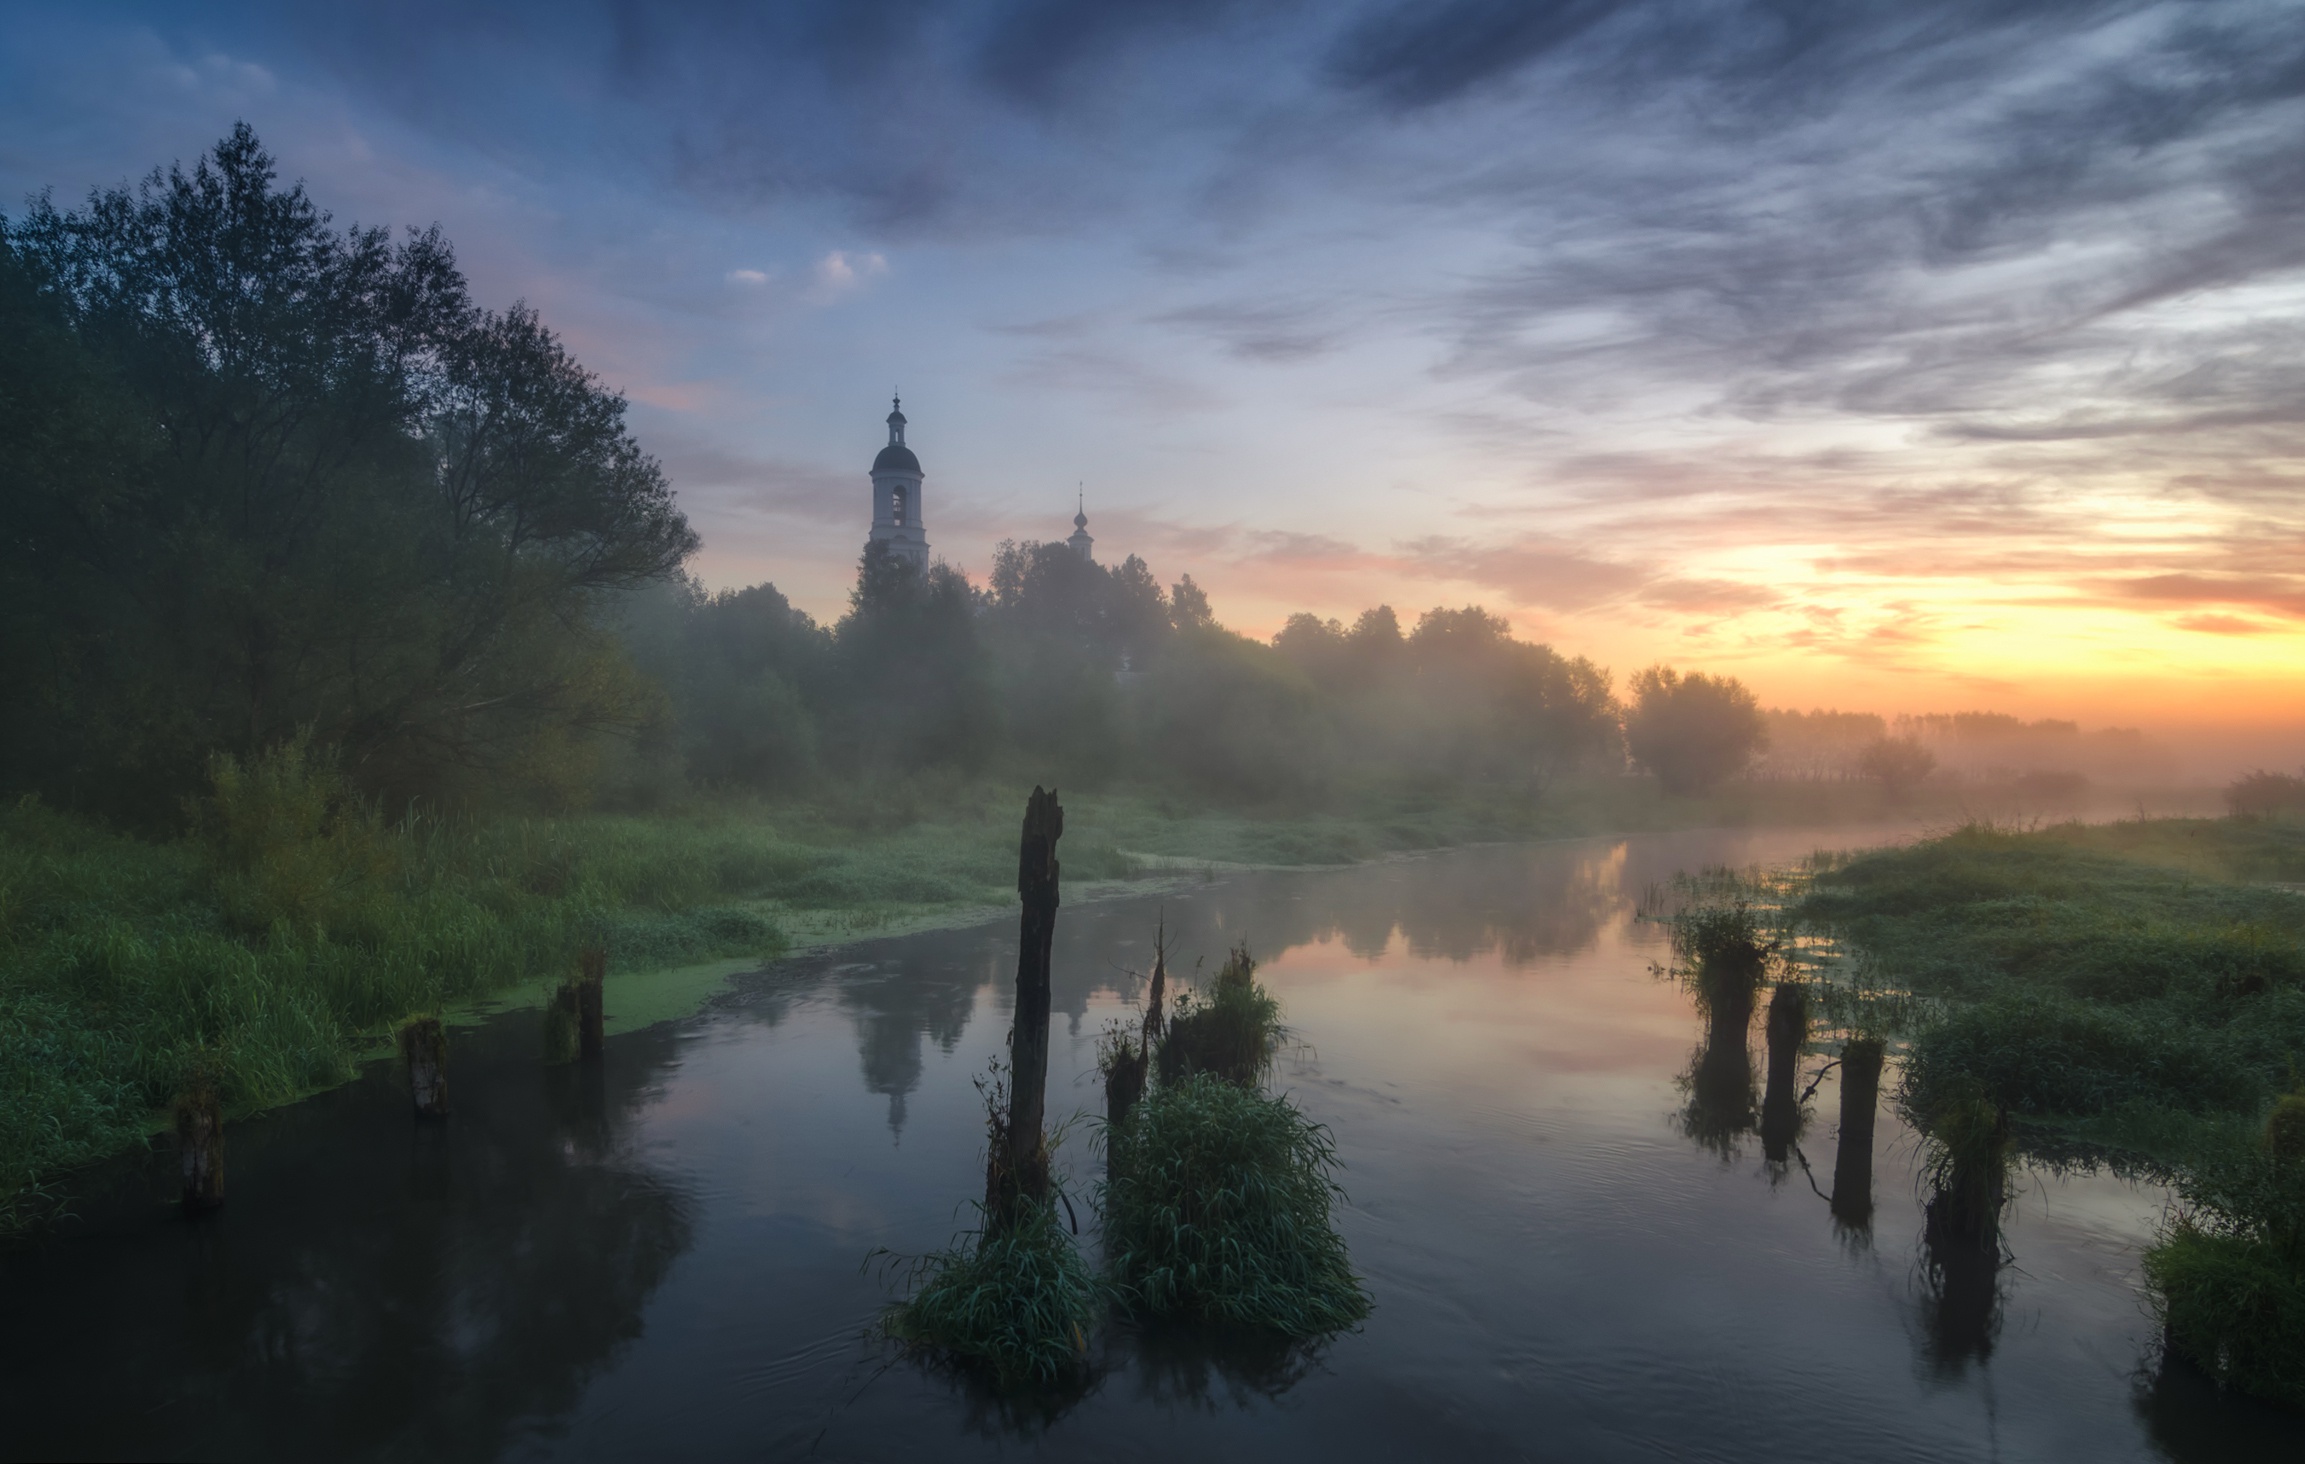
200 1146
1016 1172
592 975
1124 1080
560 1026
424 1047
1788 1028
1853 1162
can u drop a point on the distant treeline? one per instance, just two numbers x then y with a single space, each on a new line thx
270 481
1070 670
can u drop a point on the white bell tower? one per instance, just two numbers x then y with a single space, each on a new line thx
896 511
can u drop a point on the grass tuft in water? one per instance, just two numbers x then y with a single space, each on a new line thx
1015 1301
1230 1032
1217 1210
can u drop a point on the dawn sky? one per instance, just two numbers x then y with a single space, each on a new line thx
1892 356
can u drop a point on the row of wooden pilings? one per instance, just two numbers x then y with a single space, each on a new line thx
574 1030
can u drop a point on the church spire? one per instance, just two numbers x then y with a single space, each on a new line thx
895 421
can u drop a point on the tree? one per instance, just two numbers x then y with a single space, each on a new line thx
1896 763
1693 731
353 505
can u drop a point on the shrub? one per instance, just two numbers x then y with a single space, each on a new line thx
1726 953
1217 1209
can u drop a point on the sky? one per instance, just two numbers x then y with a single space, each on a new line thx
1889 356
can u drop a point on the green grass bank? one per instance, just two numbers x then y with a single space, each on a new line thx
274 945
2131 992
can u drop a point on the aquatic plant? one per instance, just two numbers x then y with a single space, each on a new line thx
1726 954
1230 1031
1014 1299
1967 1168
1217 1209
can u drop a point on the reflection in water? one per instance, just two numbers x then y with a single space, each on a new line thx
376 1287
1853 1160
1782 1116
894 1007
1961 1236
1204 1366
1719 1082
1961 1295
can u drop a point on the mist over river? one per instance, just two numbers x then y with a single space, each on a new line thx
1576 1249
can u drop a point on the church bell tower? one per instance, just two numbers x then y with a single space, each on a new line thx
896 514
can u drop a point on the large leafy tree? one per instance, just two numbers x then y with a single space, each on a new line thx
305 485
1693 731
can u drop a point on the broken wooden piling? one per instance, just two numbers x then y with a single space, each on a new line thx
590 1021
200 1145
1017 1168
424 1047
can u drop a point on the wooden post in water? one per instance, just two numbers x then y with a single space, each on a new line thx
589 1011
1788 1028
1154 1019
1853 1162
1018 1168
424 1047
200 1145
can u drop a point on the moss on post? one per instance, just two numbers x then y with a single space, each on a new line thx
560 1026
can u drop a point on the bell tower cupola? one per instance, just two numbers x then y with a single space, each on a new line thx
896 506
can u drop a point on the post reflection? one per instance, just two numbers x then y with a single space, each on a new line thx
376 1286
1719 1082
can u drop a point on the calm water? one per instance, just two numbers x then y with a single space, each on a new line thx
667 1255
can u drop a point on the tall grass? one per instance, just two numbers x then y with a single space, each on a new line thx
1230 1030
293 925
1014 1300
1217 1210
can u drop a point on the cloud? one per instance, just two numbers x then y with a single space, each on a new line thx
749 278
2223 625
841 274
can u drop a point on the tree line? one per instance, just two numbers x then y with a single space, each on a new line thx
269 479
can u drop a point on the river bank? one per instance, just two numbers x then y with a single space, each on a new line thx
274 947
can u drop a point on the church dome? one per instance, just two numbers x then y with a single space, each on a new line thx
895 457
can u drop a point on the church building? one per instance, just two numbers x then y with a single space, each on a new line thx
896 511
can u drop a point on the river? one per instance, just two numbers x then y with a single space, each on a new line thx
1574 1252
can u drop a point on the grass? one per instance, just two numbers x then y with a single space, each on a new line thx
1217 1210
2136 985
2133 989
1015 1301
1230 1031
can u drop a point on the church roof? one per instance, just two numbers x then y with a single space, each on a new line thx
896 457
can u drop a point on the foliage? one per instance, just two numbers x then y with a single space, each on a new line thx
1726 953
2233 1307
304 487
2259 794
1015 1300
1230 1032
1217 1209
2085 971
1693 731
1895 762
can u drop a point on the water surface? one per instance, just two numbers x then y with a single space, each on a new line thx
1579 1243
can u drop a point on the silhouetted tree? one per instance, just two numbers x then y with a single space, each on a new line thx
1692 731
